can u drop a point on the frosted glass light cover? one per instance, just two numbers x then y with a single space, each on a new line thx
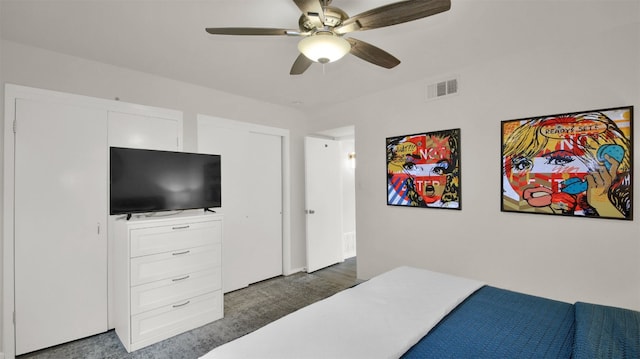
324 47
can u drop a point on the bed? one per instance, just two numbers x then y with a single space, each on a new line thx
415 313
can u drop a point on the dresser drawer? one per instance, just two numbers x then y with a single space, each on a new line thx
160 293
171 265
172 319
168 238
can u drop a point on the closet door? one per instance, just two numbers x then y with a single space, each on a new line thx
148 132
138 131
60 224
263 184
251 202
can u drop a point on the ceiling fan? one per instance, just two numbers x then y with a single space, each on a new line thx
323 28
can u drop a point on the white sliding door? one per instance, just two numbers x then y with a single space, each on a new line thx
251 201
60 224
139 131
323 201
148 132
263 183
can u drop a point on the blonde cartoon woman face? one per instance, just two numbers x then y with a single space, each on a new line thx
566 164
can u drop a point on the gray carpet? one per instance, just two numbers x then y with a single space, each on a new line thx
245 311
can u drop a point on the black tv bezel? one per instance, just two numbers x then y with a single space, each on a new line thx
130 212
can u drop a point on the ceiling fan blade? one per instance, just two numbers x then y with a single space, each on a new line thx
392 14
313 9
301 65
250 31
372 54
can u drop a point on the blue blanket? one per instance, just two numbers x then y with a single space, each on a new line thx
606 332
497 323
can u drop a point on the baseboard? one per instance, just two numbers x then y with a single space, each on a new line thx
290 272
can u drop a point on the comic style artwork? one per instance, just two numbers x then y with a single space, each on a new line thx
423 170
575 164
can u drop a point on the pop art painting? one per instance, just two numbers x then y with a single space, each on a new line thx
423 170
573 164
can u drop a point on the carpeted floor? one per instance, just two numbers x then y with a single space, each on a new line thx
246 310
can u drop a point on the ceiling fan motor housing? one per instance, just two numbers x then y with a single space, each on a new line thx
333 17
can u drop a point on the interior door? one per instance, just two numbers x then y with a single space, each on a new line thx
323 197
60 224
251 202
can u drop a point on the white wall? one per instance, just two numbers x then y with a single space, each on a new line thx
570 259
1 184
39 68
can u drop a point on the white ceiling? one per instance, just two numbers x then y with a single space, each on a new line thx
167 38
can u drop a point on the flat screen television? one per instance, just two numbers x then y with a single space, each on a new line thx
153 181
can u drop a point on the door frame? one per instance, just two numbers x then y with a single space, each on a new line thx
286 175
12 93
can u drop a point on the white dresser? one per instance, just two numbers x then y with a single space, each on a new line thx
167 276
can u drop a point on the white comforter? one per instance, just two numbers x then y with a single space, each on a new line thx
380 318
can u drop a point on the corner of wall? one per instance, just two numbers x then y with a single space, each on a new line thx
1 195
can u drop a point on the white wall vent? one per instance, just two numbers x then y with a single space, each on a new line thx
442 88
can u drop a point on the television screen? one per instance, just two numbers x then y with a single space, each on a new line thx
152 181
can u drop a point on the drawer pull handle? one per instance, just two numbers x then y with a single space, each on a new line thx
181 278
181 305
181 227
180 253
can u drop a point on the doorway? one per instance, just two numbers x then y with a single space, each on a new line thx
330 186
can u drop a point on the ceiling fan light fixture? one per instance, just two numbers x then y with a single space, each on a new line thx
324 47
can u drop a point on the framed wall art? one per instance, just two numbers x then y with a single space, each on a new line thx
423 170
572 164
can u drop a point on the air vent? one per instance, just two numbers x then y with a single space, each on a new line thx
442 88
